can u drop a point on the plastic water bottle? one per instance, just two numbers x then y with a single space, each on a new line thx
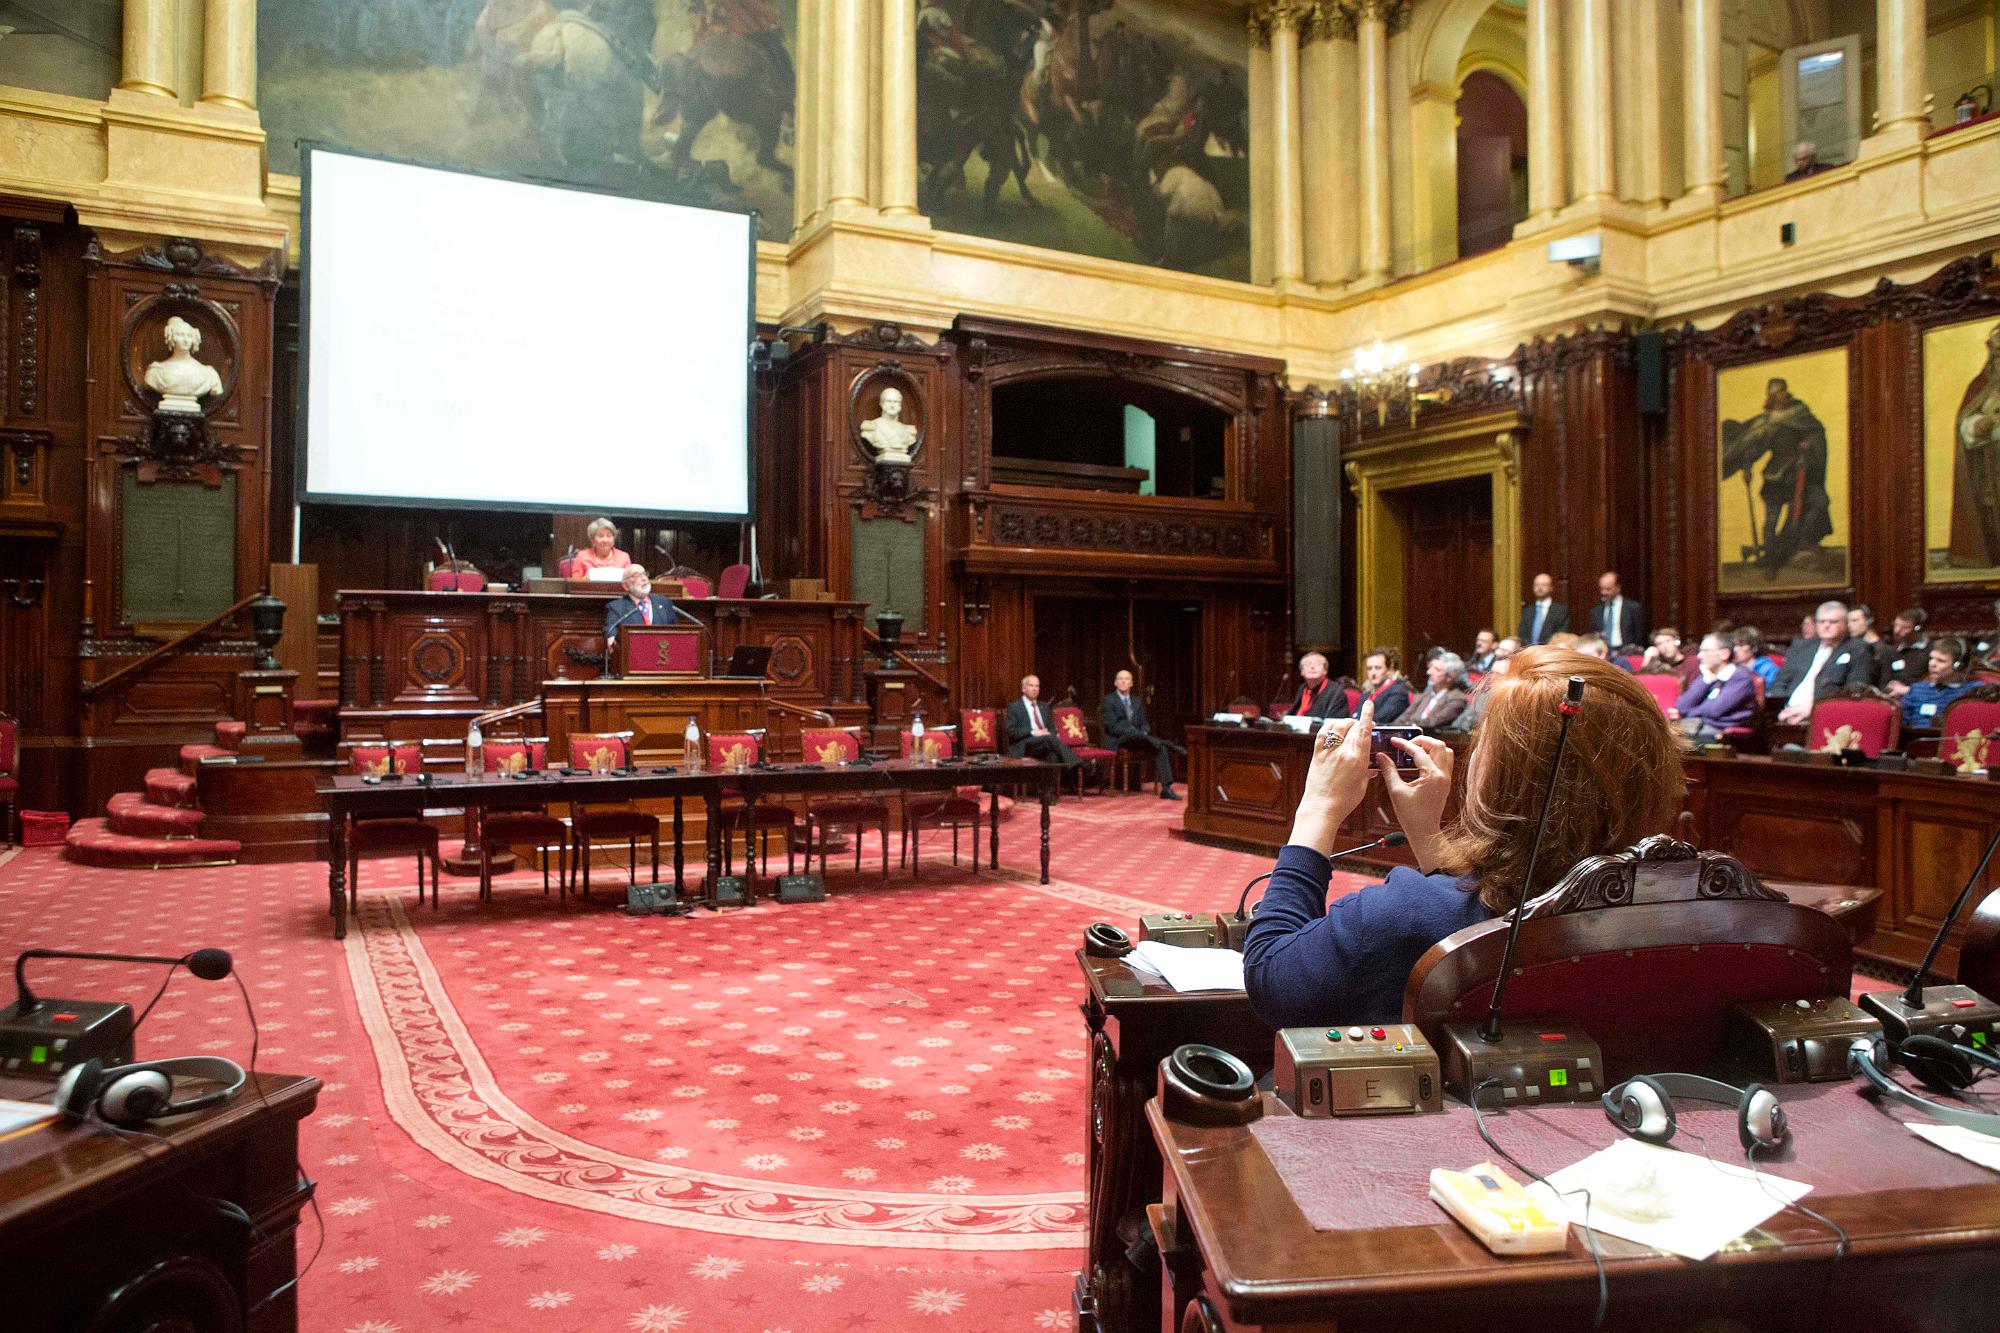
475 746
691 739
917 738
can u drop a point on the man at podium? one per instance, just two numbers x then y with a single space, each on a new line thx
639 607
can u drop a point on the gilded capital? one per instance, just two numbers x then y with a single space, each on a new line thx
1269 16
1328 20
1393 15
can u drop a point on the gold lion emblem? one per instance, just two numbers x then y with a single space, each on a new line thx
738 753
516 762
1968 752
980 726
930 748
599 760
372 769
1840 740
832 752
1072 727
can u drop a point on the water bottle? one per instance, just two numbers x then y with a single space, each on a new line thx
474 750
691 740
917 738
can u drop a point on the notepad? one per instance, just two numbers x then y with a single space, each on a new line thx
1193 969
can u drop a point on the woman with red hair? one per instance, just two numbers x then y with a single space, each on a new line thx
1308 964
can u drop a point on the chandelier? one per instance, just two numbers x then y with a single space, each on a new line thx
1381 375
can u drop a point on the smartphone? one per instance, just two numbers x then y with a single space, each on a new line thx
1380 742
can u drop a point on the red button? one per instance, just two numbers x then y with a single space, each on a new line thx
1376 1033
1553 1036
1964 1004
71 1018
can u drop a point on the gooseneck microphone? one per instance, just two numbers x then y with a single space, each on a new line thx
208 964
1955 1013
1237 927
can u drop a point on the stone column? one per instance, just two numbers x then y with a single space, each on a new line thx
1326 139
1372 60
1701 96
149 48
1901 69
229 53
1548 155
1593 115
1287 239
848 53
898 193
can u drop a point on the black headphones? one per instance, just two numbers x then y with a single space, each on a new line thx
1101 939
1643 1106
136 1094
1868 1056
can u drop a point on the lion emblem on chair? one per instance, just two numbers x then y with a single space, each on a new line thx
371 768
601 760
516 762
739 754
929 749
832 752
1072 728
1840 740
1968 752
979 727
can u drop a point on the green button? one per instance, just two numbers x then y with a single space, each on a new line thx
38 1056
1558 1078
1979 1039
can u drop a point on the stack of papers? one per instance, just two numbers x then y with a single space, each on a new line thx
1967 1143
1188 969
1680 1202
18 1116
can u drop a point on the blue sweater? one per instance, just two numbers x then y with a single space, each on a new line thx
1307 966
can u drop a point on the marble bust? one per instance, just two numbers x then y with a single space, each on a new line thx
888 434
180 380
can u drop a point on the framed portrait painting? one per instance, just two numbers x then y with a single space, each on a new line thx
1962 452
1782 518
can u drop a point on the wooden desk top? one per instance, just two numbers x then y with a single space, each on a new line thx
54 1170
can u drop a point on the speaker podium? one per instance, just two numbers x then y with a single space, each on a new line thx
657 651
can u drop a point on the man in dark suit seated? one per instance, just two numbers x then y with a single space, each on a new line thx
1385 686
1720 694
638 607
1541 617
1028 729
1317 696
1825 664
1125 727
1617 617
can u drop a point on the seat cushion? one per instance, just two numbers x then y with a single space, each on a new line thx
615 824
8 786
1090 753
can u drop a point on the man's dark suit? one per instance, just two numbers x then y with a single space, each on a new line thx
1852 663
1391 700
1021 738
1125 727
1631 624
1331 701
1557 622
622 611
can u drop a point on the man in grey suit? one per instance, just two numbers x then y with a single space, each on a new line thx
1817 667
1123 715
1029 731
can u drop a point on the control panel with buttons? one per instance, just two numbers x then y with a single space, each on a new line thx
1955 1013
1375 1069
1527 1066
1187 930
1796 1041
59 1034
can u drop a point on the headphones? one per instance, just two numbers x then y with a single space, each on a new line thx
1933 1068
135 1094
1643 1106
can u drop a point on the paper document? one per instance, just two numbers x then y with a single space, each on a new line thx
16 1116
1193 969
1681 1202
1967 1143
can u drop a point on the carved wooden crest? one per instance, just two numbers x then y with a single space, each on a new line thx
1658 869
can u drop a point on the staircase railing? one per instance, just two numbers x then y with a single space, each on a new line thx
93 688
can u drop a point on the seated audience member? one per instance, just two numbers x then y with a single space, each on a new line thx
1443 698
1809 628
1984 650
1123 716
1923 701
1028 730
1908 658
1474 712
1861 625
1308 963
1666 654
1544 615
1384 685
1825 664
1746 649
1719 695
1805 161
602 553
1505 649
638 607
1593 645
1482 652
1317 696
1565 641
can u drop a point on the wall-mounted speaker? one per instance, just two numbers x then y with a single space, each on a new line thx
1316 497
1651 348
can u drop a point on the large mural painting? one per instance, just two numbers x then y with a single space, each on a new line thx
1115 128
687 100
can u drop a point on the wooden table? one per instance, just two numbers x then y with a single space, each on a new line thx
91 1222
1240 1255
348 795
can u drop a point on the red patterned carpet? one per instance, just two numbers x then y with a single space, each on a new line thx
860 1114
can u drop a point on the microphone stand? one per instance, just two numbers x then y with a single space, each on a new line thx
1952 1012
1236 927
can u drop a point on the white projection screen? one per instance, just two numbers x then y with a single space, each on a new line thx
470 342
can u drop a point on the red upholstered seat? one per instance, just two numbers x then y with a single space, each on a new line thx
393 835
526 824
694 585
1625 947
979 731
464 579
1968 727
1665 687
1860 718
756 821
1075 733
10 780
603 752
734 582
829 746
937 744
859 813
1631 661
1741 735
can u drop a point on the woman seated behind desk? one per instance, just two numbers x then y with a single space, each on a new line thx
1308 964
602 553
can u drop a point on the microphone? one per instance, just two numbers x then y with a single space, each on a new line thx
1954 1013
208 964
1558 1066
1238 924
40 1036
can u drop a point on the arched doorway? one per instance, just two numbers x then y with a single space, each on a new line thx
1492 162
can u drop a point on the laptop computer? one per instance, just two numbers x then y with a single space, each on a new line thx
748 661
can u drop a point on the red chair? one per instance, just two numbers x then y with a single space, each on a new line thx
954 810
1624 946
753 821
979 730
1664 686
938 744
463 579
1740 736
1631 661
856 812
601 752
694 586
1075 733
528 824
10 776
389 835
1859 717
1353 700
734 582
1968 727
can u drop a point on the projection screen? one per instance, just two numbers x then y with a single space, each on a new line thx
472 342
